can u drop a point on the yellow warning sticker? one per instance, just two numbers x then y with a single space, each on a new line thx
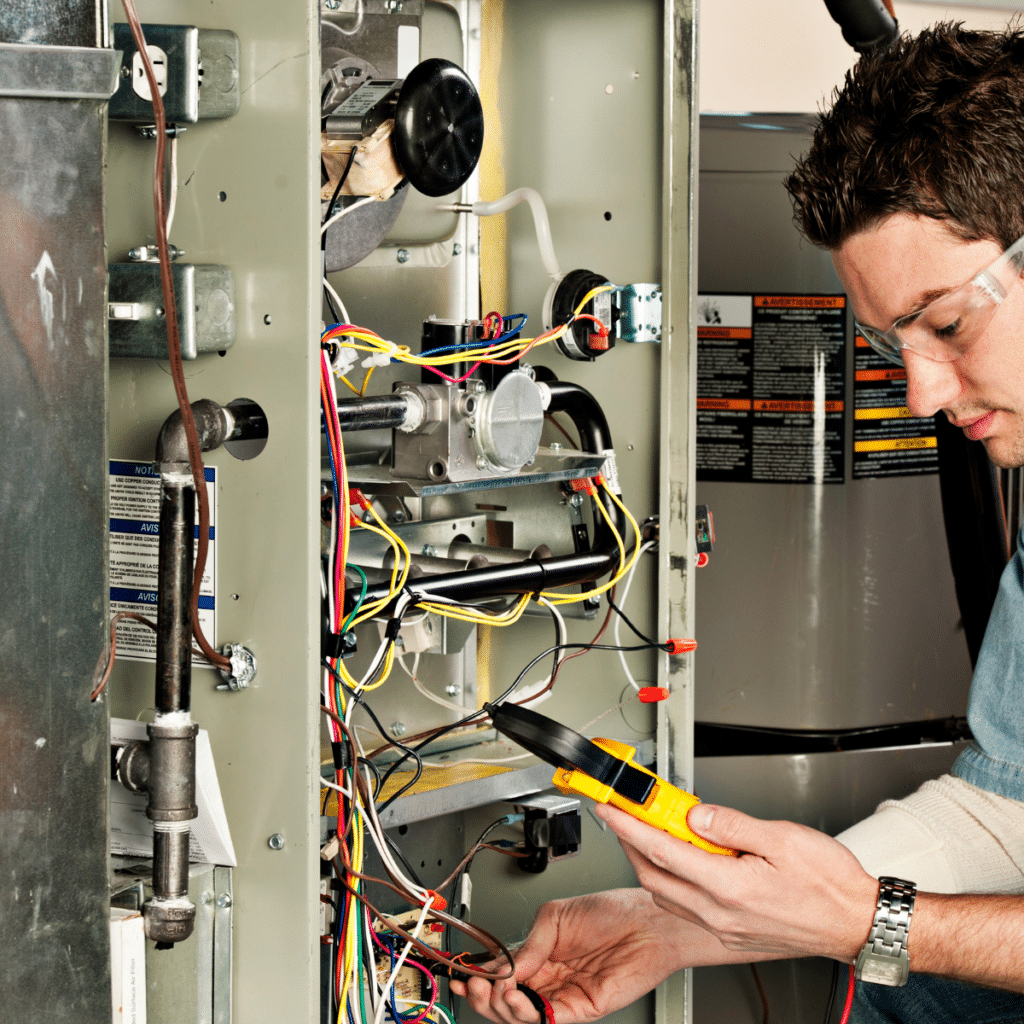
895 444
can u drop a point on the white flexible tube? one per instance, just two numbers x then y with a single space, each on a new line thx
540 222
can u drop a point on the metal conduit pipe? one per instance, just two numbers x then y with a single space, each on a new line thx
165 766
373 413
535 574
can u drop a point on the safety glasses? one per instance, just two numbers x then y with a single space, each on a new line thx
948 326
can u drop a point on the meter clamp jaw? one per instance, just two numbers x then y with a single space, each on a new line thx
603 770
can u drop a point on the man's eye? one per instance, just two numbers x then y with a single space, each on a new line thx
949 331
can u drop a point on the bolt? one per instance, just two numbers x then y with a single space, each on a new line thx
402 255
398 729
555 446
224 899
332 5
456 249
452 690
430 550
126 72
479 387
576 500
348 641
398 517
481 462
276 841
138 254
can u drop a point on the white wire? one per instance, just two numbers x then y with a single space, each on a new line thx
327 784
421 689
345 318
420 1002
172 198
476 760
646 546
346 210
415 933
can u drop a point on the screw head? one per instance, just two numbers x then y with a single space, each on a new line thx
276 841
126 72
430 550
224 899
456 249
398 517
576 500
481 462
403 255
398 729
555 446
453 690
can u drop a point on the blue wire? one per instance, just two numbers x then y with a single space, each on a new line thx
485 342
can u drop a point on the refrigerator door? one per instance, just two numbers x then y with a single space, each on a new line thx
825 605
829 792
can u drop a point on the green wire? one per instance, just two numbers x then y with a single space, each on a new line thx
362 597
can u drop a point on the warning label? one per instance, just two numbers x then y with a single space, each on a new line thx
887 440
771 379
134 554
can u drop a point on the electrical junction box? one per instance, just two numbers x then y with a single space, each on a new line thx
205 295
196 72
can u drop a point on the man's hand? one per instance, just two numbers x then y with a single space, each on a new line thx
793 892
587 956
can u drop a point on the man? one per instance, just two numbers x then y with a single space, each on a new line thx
915 182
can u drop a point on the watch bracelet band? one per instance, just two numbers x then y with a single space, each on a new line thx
891 924
884 959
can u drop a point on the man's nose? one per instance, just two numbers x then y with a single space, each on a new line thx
931 385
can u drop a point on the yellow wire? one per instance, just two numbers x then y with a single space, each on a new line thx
624 566
372 344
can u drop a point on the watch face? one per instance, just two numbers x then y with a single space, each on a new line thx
883 970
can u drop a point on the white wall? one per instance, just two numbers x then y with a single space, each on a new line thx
786 55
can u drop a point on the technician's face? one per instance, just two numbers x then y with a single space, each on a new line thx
895 268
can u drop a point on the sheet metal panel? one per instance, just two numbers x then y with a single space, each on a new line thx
53 396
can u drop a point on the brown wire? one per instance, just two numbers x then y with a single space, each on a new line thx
113 646
494 946
195 457
558 426
765 1008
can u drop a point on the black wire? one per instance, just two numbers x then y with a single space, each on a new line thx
335 318
409 751
337 188
504 696
622 616
401 857
832 991
367 763
456 909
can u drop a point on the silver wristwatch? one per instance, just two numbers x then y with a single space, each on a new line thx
883 959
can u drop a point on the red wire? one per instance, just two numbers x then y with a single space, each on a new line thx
849 998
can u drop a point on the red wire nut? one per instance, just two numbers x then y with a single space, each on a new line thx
438 902
679 646
652 694
702 559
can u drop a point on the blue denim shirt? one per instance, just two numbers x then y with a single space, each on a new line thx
995 761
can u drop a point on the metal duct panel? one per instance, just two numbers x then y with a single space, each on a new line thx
54 904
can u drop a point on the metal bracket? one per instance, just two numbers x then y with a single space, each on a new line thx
58 72
639 312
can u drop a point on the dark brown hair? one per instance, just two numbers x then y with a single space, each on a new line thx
933 126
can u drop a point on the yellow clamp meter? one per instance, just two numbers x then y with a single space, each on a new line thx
603 770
